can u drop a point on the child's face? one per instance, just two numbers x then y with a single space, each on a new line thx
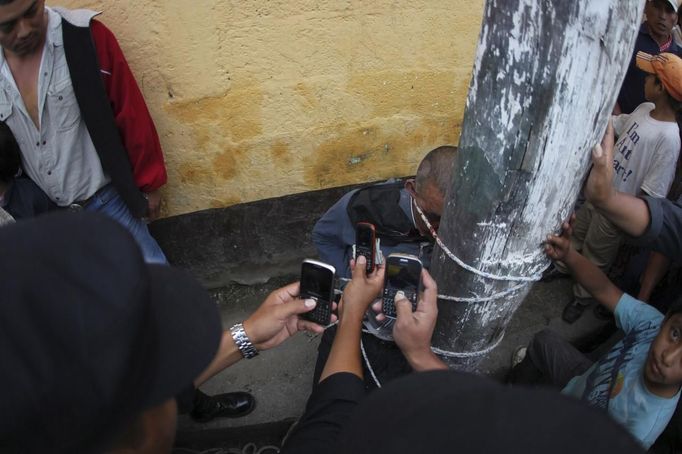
664 363
651 87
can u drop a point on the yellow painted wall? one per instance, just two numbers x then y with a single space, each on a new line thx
261 98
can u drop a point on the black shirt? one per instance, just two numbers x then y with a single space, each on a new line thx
329 407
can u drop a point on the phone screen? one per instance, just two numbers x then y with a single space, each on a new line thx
403 275
316 281
364 236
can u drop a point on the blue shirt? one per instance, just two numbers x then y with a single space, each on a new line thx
334 236
628 400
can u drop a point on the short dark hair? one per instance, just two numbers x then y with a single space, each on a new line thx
436 168
10 156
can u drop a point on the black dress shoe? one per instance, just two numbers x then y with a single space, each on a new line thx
574 309
228 405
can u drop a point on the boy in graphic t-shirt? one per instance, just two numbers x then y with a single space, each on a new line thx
638 380
645 157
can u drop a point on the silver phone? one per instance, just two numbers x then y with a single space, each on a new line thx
317 282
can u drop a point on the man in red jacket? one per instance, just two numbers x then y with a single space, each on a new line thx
59 144
66 140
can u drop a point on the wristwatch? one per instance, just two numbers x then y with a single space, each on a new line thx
242 341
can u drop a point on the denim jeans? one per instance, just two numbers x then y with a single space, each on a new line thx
108 202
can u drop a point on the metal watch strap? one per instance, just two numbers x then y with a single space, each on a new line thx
243 342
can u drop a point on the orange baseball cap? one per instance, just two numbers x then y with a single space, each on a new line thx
667 67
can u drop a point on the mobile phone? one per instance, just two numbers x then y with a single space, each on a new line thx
365 243
403 272
317 282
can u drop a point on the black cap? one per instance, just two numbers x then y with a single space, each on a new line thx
445 411
89 334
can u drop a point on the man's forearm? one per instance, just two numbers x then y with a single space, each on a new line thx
627 212
345 352
424 361
227 355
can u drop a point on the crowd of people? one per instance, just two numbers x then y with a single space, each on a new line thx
104 343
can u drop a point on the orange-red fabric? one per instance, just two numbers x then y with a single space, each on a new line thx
667 67
133 120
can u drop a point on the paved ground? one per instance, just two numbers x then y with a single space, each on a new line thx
281 379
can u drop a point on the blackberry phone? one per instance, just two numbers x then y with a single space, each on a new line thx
403 272
365 243
317 282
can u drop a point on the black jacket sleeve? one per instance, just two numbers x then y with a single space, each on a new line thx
664 233
328 409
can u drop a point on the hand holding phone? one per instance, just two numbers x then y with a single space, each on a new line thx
412 331
360 291
317 283
403 272
365 244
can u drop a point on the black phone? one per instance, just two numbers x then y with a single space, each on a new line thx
403 272
317 282
365 243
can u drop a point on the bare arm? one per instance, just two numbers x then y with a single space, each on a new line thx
627 212
276 320
655 270
227 355
584 272
358 295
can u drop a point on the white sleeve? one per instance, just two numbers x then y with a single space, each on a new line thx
661 171
618 122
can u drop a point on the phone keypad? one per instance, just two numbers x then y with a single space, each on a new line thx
322 314
367 253
388 306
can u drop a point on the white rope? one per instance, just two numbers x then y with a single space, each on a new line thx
437 351
485 351
484 299
469 268
369 366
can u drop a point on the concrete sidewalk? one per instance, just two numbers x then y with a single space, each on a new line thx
281 379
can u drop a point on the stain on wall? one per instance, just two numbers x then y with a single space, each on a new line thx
255 100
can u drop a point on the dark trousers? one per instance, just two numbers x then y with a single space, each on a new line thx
550 360
385 357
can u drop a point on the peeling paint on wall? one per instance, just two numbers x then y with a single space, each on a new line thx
255 100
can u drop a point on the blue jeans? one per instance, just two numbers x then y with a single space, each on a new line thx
108 202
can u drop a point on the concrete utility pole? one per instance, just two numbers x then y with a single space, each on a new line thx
546 78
